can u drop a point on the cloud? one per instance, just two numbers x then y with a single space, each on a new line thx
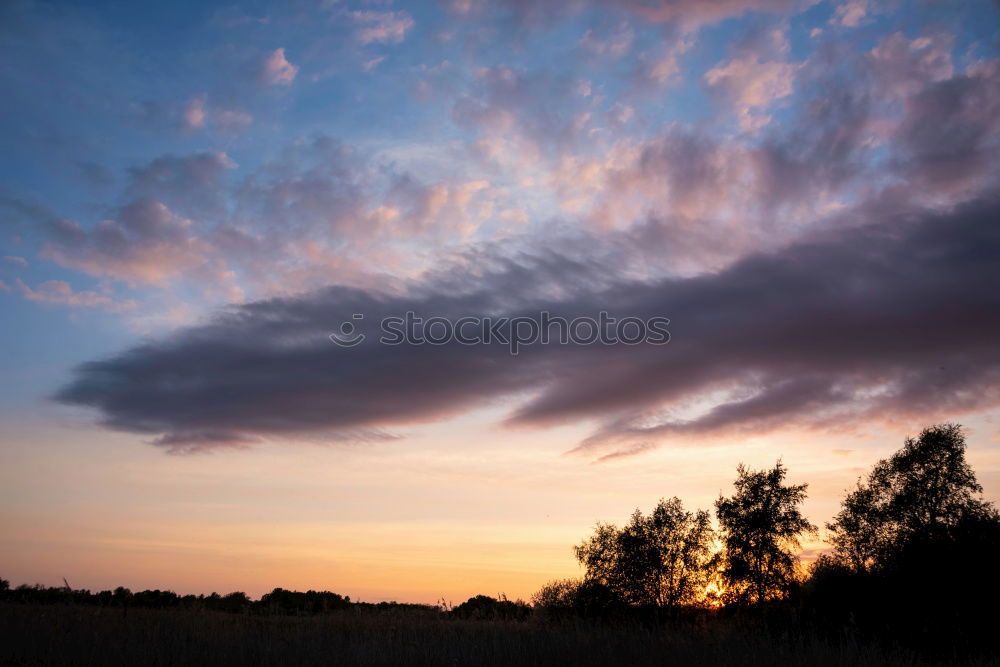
613 44
904 66
438 209
231 120
313 186
61 293
190 184
525 13
383 27
539 111
372 63
665 67
850 14
703 200
276 70
19 213
324 211
198 114
550 151
95 175
679 175
700 12
632 450
689 14
867 323
145 244
946 142
319 211
753 87
193 115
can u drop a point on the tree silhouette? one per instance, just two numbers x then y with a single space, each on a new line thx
760 526
557 597
924 493
661 559
486 608
916 549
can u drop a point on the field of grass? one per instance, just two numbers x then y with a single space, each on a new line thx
85 635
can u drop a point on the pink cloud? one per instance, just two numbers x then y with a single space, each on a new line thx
198 114
59 292
277 71
147 244
231 120
904 66
193 116
381 27
752 87
850 14
694 13
664 67
613 45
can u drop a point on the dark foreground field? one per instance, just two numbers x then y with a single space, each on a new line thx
80 635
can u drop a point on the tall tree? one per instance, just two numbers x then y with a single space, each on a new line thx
661 559
926 492
761 524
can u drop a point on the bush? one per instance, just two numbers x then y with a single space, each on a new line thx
485 608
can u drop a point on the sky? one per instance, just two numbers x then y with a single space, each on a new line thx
195 195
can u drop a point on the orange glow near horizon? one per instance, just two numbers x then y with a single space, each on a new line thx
390 521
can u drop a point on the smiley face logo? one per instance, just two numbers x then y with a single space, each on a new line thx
347 335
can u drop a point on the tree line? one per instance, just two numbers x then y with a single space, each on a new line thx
278 602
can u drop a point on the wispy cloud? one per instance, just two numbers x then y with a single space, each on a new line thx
60 292
383 27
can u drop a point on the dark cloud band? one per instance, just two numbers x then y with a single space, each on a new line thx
883 319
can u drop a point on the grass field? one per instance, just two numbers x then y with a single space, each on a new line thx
85 635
